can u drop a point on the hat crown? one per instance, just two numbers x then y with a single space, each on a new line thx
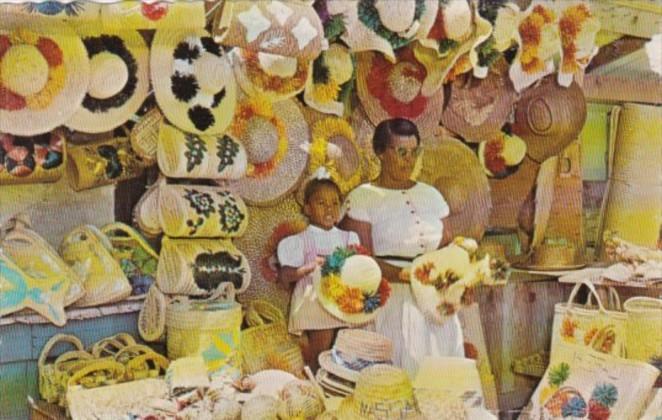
277 65
362 272
366 345
457 19
403 85
108 75
397 16
263 143
24 70
209 72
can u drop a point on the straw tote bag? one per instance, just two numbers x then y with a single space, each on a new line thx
89 252
586 325
198 267
583 383
644 329
32 160
194 211
52 381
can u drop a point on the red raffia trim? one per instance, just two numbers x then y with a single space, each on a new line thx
10 100
51 51
438 30
5 43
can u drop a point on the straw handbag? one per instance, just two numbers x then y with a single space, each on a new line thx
188 211
198 267
266 343
52 381
144 135
586 325
644 329
146 211
211 329
88 251
102 163
152 316
136 257
31 160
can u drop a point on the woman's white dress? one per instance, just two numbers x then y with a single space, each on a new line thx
406 223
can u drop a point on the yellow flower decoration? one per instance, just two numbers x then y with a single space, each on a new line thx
333 288
322 131
326 93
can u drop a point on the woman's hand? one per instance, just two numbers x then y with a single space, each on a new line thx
404 275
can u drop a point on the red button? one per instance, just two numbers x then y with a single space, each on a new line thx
412 212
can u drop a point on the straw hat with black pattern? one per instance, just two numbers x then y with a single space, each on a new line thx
119 80
393 90
44 73
274 136
193 81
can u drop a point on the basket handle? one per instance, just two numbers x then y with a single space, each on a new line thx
137 364
261 312
591 288
225 292
72 339
111 229
136 349
115 369
118 341
614 300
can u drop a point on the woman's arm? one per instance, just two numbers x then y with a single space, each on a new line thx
447 234
362 229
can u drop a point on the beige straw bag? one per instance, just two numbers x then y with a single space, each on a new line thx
197 267
146 211
152 316
52 382
644 328
194 211
89 252
144 135
266 344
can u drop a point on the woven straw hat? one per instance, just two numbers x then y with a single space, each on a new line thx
276 77
452 168
192 81
331 81
134 14
76 11
549 117
382 392
383 25
391 90
355 350
119 79
285 28
44 72
301 400
273 135
476 109
262 407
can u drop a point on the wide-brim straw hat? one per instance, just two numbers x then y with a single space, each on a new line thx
274 136
193 82
330 85
549 117
382 392
364 131
44 74
291 29
384 26
169 15
76 11
551 256
119 79
455 171
393 90
267 226
476 109
276 77
333 385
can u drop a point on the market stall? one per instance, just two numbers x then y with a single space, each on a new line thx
330 209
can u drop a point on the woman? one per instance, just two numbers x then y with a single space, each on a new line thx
398 219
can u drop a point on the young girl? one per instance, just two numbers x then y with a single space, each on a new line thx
299 255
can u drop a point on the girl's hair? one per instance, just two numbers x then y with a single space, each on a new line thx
315 184
390 128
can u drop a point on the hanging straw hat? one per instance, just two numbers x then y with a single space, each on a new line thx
331 82
477 109
390 90
383 25
364 131
283 28
549 117
499 155
119 79
76 11
134 14
577 28
457 31
382 392
192 81
44 72
355 350
453 169
276 77
273 135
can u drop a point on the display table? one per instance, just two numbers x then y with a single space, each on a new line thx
23 335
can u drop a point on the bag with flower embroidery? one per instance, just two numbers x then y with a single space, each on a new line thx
193 211
588 325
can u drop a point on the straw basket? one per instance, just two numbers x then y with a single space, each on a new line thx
144 135
210 329
52 382
266 343
644 328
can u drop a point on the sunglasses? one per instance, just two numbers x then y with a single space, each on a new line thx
403 152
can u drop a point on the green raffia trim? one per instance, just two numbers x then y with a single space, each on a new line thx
320 70
369 16
487 53
334 27
447 45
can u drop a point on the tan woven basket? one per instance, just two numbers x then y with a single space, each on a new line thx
144 135
266 344
644 328
52 382
152 316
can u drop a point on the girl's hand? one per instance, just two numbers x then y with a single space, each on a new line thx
404 274
308 268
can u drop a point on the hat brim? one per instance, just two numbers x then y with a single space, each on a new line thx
163 67
158 15
332 308
117 110
285 177
28 122
327 363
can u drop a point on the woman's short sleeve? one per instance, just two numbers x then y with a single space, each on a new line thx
290 251
356 205
434 198
353 239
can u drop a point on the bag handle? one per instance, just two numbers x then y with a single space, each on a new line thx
111 229
127 353
138 367
614 300
68 338
261 312
115 370
591 288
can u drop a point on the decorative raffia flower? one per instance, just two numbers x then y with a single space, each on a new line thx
333 287
422 273
266 82
384 292
570 25
351 301
568 327
531 33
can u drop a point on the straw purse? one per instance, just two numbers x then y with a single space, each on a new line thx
146 211
644 329
144 135
266 344
53 379
210 329
136 257
88 251
198 267
31 160
21 244
188 211
151 319
102 163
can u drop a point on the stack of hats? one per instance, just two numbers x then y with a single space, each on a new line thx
353 351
